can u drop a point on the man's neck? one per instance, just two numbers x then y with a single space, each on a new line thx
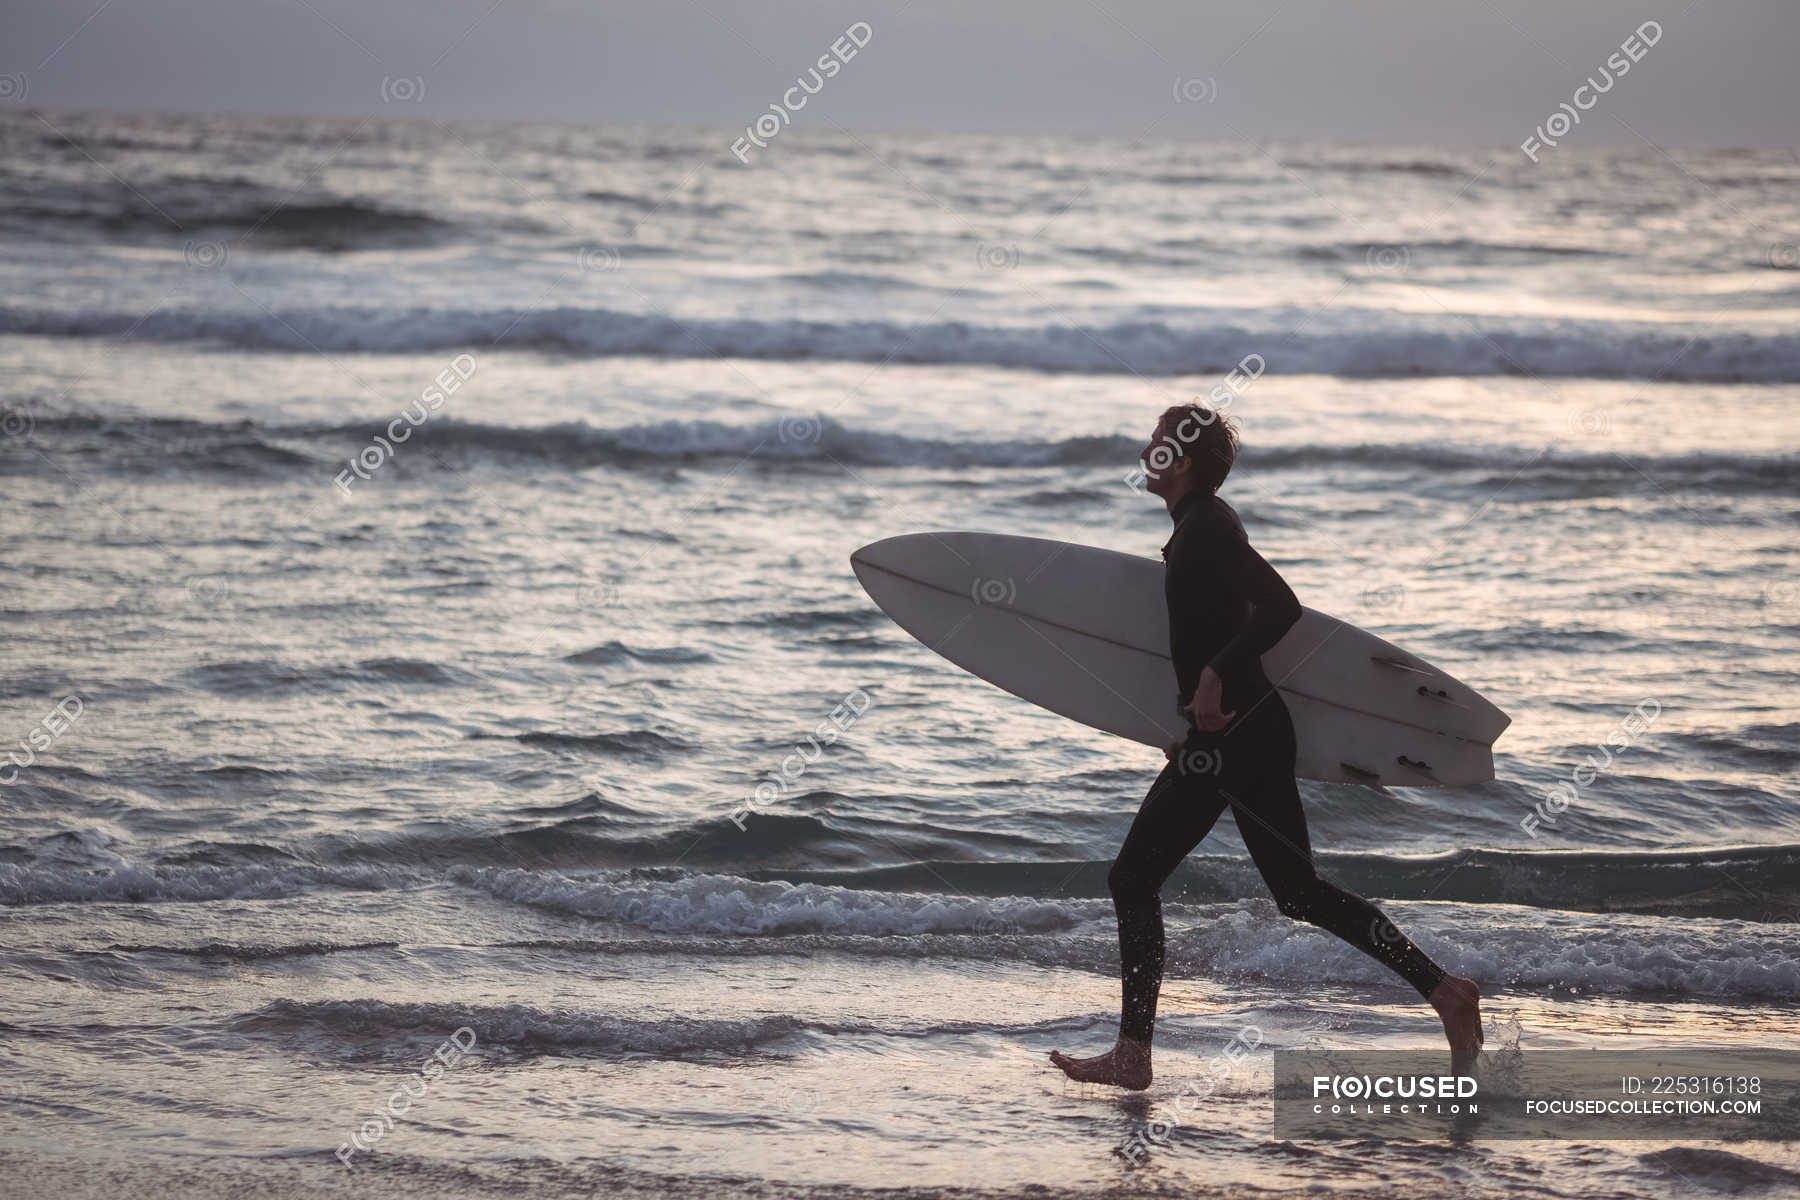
1171 499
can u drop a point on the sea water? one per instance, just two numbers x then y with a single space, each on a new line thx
424 540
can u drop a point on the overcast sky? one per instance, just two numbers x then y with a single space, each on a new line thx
1724 72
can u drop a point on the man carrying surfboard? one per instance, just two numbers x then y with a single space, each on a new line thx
1227 607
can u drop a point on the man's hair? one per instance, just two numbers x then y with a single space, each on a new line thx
1207 439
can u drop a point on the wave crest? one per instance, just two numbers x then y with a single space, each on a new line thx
1206 342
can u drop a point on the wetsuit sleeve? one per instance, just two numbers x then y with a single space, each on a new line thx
1273 606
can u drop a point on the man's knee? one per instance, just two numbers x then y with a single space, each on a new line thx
1129 885
1294 905
1303 900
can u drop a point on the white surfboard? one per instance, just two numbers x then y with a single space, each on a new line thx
1084 632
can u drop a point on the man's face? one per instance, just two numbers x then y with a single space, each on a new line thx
1163 458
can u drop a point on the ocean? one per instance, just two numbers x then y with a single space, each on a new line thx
424 539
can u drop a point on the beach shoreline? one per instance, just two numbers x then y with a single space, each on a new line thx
69 1177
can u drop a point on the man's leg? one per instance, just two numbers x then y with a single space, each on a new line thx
1274 830
1273 825
1176 815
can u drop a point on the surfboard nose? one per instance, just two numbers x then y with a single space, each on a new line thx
864 557
891 553
888 546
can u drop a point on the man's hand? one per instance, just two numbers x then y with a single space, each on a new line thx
1204 707
1171 750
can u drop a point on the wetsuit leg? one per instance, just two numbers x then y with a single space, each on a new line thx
1273 826
1177 813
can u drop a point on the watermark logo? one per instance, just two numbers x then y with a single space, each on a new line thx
208 593
778 782
40 737
1165 453
764 129
800 431
1384 932
994 925
1388 260
379 450
598 593
405 89
779 1094
204 256
400 1103
1195 90
1558 799
1208 760
1592 421
991 257
998 592
1348 1089
1649 1093
16 423
1167 1119
1568 114
1386 597
598 258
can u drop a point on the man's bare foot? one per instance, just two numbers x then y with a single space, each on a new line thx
1458 1002
1126 1065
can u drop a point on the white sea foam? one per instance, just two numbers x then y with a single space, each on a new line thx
1502 946
723 904
140 882
1202 341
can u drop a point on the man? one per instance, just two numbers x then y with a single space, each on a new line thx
1227 607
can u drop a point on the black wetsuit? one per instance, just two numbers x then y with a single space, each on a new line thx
1227 606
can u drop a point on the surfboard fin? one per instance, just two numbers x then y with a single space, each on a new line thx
1372 779
1363 777
1388 660
1414 764
1441 696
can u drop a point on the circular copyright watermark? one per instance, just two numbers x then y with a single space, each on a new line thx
1388 596
802 431
1000 592
204 256
16 423
597 593
1591 421
1384 932
208 593
1193 89
992 257
1389 260
1207 760
599 258
404 89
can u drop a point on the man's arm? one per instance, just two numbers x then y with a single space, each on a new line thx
1273 606
1223 560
